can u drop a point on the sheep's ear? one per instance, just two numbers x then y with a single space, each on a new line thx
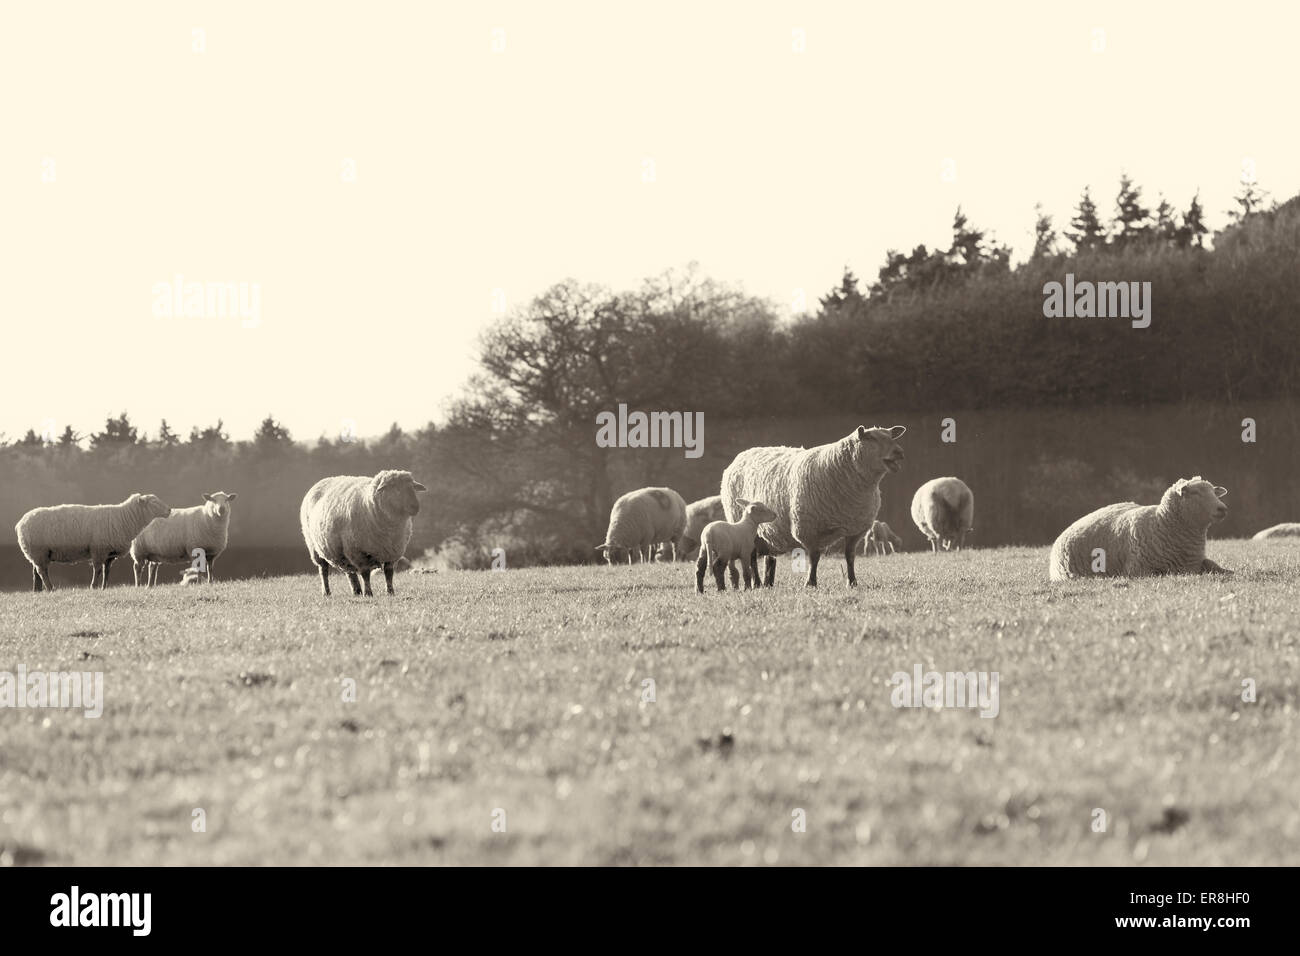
898 431
1220 490
1181 488
601 547
862 432
231 497
742 504
206 496
418 487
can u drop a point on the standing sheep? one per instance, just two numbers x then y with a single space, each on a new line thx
204 527
881 539
641 520
944 510
819 494
1132 540
698 514
722 542
356 524
66 534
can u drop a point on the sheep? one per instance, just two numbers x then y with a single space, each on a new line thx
639 521
819 494
1132 540
882 539
204 527
1290 529
355 524
944 510
722 542
66 534
191 576
698 514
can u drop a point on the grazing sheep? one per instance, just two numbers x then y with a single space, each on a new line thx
640 521
356 524
1290 529
176 538
944 510
698 514
190 576
66 534
819 494
1132 540
882 539
722 542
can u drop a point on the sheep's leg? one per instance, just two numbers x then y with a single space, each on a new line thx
354 581
934 545
365 579
135 571
769 571
961 540
850 555
388 576
155 571
813 557
719 567
108 563
94 574
209 572
44 571
36 579
735 575
324 577
753 564
701 565
749 577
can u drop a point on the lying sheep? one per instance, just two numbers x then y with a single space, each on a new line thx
944 510
204 527
356 524
698 514
1290 529
1132 540
722 542
881 539
640 521
819 494
66 534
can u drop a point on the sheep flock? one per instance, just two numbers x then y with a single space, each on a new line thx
771 501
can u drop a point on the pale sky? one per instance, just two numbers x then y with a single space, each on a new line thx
128 156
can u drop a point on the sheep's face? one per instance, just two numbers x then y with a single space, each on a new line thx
218 504
152 505
759 513
877 449
397 492
1198 500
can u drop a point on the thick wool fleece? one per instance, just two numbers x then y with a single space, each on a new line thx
644 519
944 511
356 524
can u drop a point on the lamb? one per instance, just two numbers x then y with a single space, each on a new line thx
944 510
204 527
641 520
819 494
1290 529
355 524
69 533
698 514
191 576
1132 540
882 539
722 542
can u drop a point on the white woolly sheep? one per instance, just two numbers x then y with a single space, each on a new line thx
819 494
722 542
944 510
204 527
640 521
1290 529
355 524
1132 540
698 514
881 539
191 576
66 534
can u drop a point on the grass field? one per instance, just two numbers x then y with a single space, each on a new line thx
522 691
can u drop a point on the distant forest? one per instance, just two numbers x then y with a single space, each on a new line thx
939 330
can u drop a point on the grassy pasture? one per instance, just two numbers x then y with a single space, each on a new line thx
522 691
